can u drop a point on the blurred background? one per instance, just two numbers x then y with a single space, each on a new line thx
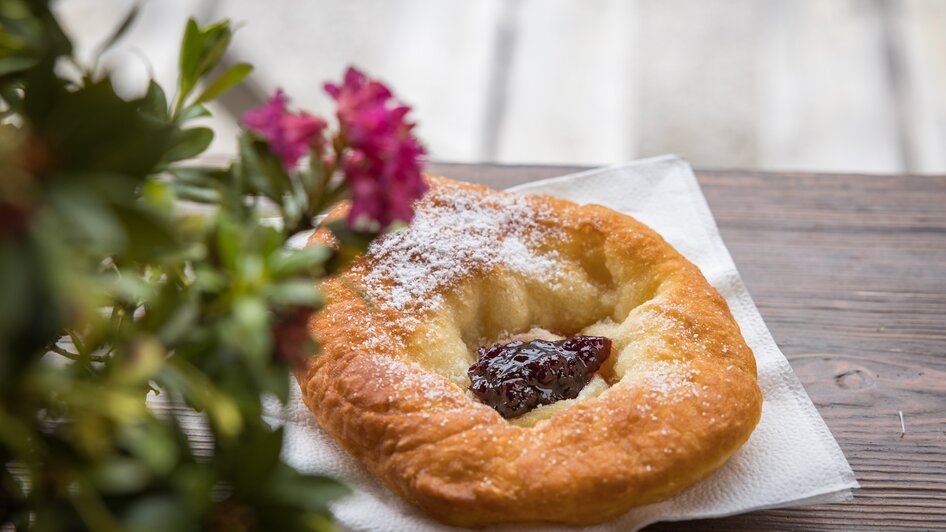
816 85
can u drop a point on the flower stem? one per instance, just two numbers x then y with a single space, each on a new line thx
74 356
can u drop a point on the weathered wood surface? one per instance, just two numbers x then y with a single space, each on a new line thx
849 272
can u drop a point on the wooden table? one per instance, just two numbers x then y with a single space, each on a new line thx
849 272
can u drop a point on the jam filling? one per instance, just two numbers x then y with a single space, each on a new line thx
516 377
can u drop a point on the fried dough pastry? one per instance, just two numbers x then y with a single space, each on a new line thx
677 396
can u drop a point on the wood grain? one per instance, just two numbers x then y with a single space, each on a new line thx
849 272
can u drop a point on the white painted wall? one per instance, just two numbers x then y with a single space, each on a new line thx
840 85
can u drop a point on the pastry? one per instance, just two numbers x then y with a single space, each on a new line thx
509 358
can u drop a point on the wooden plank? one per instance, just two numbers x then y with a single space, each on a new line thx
849 272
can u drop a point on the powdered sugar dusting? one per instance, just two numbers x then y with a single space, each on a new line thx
408 379
672 379
668 318
456 232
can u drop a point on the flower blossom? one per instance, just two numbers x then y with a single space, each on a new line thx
382 158
289 134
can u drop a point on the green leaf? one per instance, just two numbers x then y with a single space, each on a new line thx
188 143
203 176
140 362
151 443
271 240
9 65
278 381
196 194
193 112
225 415
84 220
183 319
194 483
14 10
155 102
229 242
150 237
295 292
352 243
264 445
101 214
201 394
94 129
216 40
250 167
293 205
130 288
158 195
225 82
12 95
249 328
30 28
198 183
208 280
155 512
121 475
201 49
262 170
348 236
294 262
192 47
120 30
310 492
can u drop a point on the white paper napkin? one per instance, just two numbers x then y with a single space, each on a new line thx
791 459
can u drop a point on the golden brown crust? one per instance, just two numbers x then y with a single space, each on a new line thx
684 393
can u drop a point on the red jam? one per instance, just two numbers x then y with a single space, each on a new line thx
516 377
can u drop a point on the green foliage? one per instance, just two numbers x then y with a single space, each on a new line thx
201 50
233 76
113 292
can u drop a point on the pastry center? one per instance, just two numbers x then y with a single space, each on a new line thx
518 376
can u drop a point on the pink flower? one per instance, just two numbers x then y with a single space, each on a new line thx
289 135
382 159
